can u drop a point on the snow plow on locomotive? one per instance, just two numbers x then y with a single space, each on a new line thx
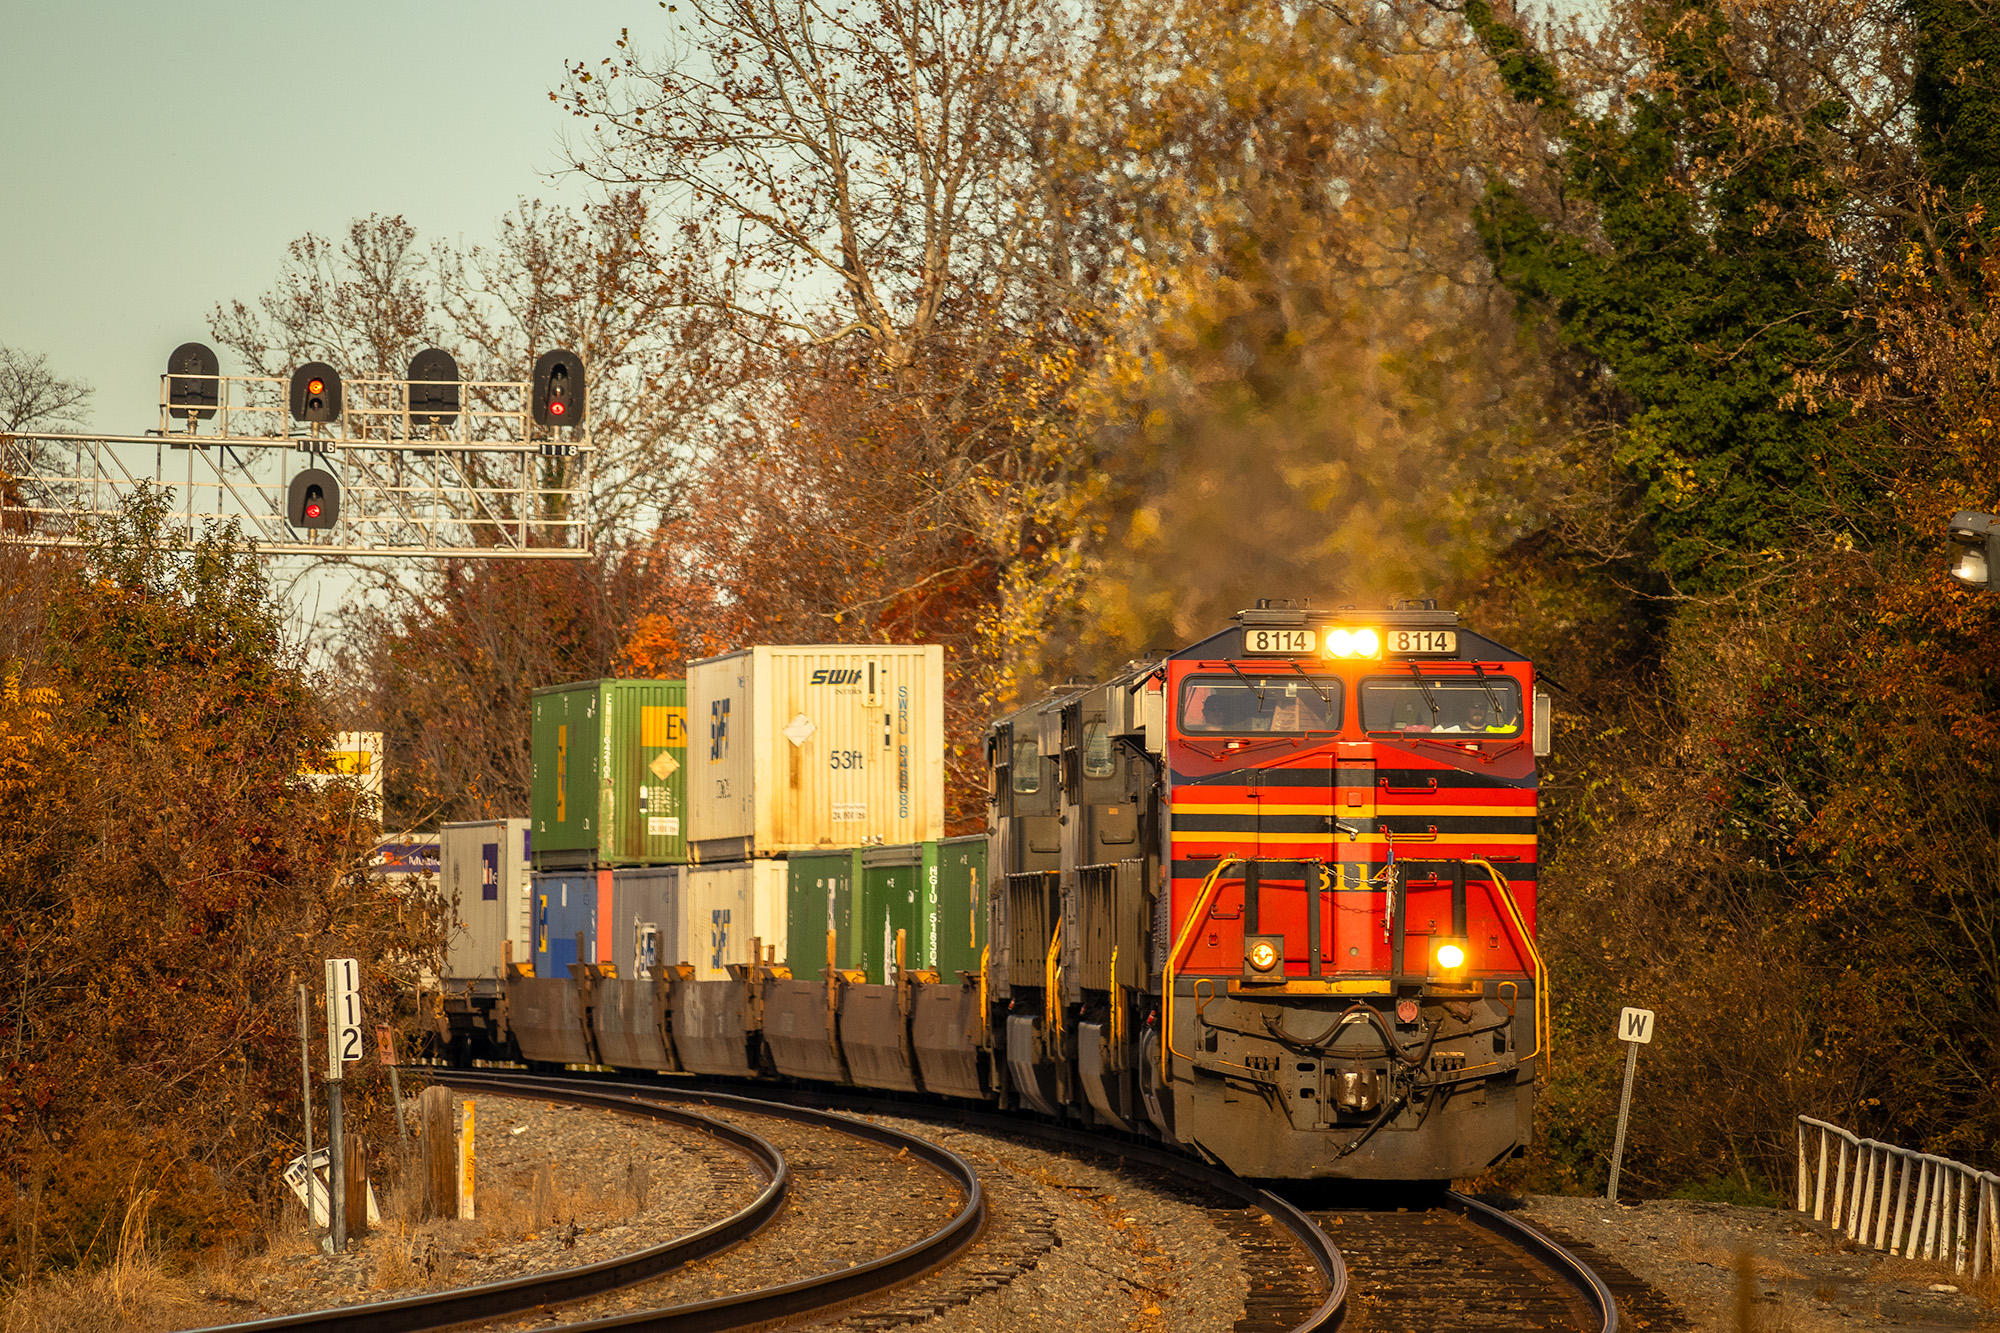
1270 898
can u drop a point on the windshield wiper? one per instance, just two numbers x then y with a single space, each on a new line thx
1324 697
1246 680
1491 697
1425 686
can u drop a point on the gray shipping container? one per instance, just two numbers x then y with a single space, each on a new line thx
483 876
644 931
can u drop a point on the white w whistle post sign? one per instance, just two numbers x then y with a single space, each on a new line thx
1635 1029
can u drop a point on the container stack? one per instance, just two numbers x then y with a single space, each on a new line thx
608 806
806 763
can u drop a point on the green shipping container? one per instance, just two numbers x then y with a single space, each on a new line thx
821 889
961 906
609 784
898 889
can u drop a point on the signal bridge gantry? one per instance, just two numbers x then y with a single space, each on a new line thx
427 465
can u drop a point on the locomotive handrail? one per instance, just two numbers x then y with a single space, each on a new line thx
1544 1024
1197 915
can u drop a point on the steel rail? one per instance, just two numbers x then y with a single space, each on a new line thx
1572 1270
412 1314
440 1310
1318 1246
806 1295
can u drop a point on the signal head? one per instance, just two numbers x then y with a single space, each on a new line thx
194 385
315 395
314 500
433 386
557 397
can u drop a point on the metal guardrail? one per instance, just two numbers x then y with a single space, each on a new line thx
1899 1200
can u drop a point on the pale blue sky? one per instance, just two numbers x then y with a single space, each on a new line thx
158 157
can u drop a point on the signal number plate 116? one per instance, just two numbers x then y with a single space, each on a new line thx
1279 641
1407 641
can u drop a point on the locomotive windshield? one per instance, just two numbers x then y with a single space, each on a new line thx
1455 705
1289 704
1027 767
1098 759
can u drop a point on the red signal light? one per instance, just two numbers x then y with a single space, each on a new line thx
312 509
557 409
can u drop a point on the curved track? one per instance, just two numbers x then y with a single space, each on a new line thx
1452 1263
1457 1265
497 1299
1308 1301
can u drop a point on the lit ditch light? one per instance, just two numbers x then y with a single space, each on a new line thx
1975 541
1451 955
1264 958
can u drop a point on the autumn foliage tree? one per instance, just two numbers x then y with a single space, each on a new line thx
167 878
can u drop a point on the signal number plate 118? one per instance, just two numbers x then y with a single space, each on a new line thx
1408 641
1285 641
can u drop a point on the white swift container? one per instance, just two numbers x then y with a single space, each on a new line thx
797 749
723 907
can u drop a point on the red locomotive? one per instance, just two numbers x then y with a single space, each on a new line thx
1272 897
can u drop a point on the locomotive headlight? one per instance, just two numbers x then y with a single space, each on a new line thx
1264 957
1449 956
1353 643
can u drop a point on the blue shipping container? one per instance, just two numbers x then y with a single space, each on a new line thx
565 906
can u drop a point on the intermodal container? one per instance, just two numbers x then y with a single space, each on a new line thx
568 905
726 906
960 899
821 889
898 893
643 930
799 749
609 778
485 892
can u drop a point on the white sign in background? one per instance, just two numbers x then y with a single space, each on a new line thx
343 1014
1636 1025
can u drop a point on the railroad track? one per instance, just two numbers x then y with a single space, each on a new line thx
853 1279
1461 1266
1455 1265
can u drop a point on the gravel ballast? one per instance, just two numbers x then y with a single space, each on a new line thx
1709 1261
558 1186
